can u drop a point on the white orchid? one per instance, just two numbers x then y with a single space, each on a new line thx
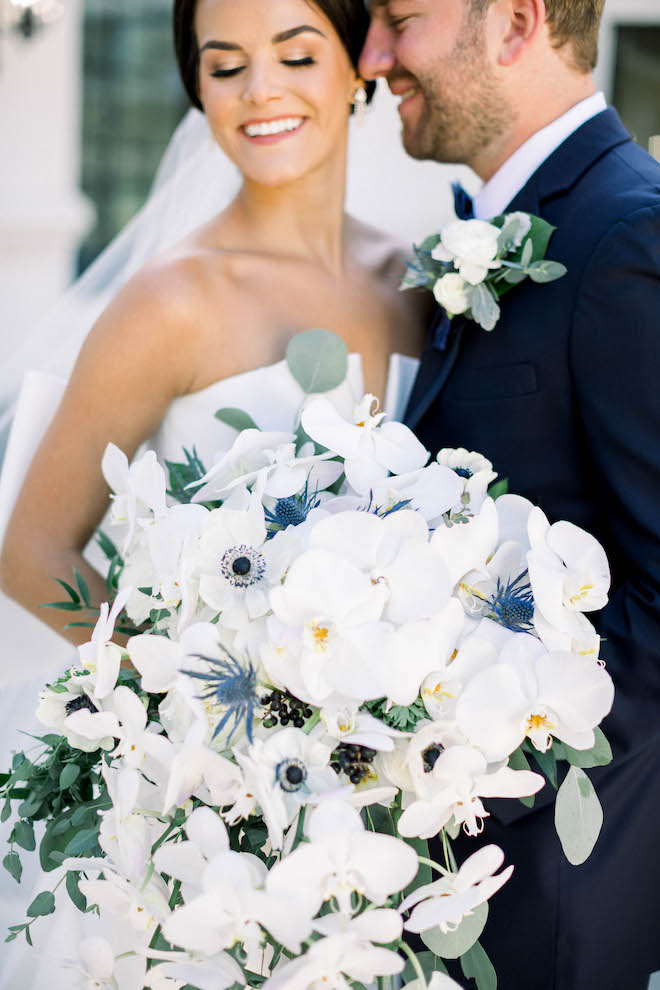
125 835
143 904
453 788
94 969
251 451
533 694
139 490
233 906
568 571
371 449
348 724
285 771
472 246
287 473
446 902
178 969
329 612
444 685
343 858
347 953
431 491
194 768
100 655
466 547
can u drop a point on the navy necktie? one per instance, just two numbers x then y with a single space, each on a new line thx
463 204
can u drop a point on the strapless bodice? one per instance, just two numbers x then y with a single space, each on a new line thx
273 398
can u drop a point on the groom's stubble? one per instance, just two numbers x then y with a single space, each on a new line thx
465 109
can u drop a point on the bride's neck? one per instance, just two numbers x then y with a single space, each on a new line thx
304 218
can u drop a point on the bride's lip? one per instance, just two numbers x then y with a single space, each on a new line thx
272 129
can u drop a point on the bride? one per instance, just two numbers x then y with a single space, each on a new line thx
206 324
277 83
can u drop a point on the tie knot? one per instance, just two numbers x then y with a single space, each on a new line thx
463 205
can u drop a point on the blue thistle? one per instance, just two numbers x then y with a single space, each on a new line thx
293 511
381 511
512 605
233 685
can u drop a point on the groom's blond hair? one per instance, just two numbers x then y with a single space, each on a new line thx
572 23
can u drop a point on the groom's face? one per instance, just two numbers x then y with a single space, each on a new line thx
434 55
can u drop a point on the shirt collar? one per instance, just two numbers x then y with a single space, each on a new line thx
498 192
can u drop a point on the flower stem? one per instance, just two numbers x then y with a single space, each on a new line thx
414 960
434 866
312 721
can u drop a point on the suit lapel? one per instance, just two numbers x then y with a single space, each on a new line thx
435 368
559 173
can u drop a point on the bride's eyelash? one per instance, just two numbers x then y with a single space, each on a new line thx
291 62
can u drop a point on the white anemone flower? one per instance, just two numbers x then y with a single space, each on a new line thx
100 656
251 451
568 571
533 694
453 788
238 564
343 858
233 907
346 954
446 902
285 771
61 709
371 449
332 610
472 246
473 472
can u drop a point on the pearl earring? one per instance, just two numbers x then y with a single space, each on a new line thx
360 105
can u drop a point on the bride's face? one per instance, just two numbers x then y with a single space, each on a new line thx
276 85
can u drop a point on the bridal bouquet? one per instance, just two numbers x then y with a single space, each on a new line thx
338 653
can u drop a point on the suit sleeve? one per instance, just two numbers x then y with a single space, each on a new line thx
615 362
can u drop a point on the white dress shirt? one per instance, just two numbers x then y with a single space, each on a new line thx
497 193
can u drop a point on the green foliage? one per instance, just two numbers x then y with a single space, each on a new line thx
318 360
42 905
183 474
430 964
499 488
404 718
477 966
599 755
12 864
578 816
236 418
518 761
453 944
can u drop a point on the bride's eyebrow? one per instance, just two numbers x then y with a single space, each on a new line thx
278 39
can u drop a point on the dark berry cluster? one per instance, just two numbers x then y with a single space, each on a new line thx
354 761
284 709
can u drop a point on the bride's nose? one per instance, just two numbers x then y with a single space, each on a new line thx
262 83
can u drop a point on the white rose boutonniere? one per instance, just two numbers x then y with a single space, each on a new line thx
470 264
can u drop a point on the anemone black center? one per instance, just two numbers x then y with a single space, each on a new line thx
463 472
294 775
241 566
430 756
77 704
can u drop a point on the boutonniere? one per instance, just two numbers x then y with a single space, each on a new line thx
471 264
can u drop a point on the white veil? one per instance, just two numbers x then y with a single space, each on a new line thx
194 181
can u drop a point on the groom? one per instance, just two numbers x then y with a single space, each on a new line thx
564 397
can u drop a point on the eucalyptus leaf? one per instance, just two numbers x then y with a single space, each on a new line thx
69 775
430 242
236 418
477 966
24 835
483 305
42 905
527 252
540 235
74 892
451 945
318 360
514 276
82 842
578 816
12 864
430 964
546 271
499 488
6 811
599 755
548 764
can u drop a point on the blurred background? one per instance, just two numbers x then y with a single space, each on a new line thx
89 97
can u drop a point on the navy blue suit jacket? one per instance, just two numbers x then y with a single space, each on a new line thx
563 396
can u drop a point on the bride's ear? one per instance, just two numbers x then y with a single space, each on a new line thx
516 25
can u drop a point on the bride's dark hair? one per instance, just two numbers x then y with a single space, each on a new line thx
349 18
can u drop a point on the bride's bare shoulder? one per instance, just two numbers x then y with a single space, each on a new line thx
382 252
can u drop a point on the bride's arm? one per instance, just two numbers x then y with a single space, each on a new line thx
134 362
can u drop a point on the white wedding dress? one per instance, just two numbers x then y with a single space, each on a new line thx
273 399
